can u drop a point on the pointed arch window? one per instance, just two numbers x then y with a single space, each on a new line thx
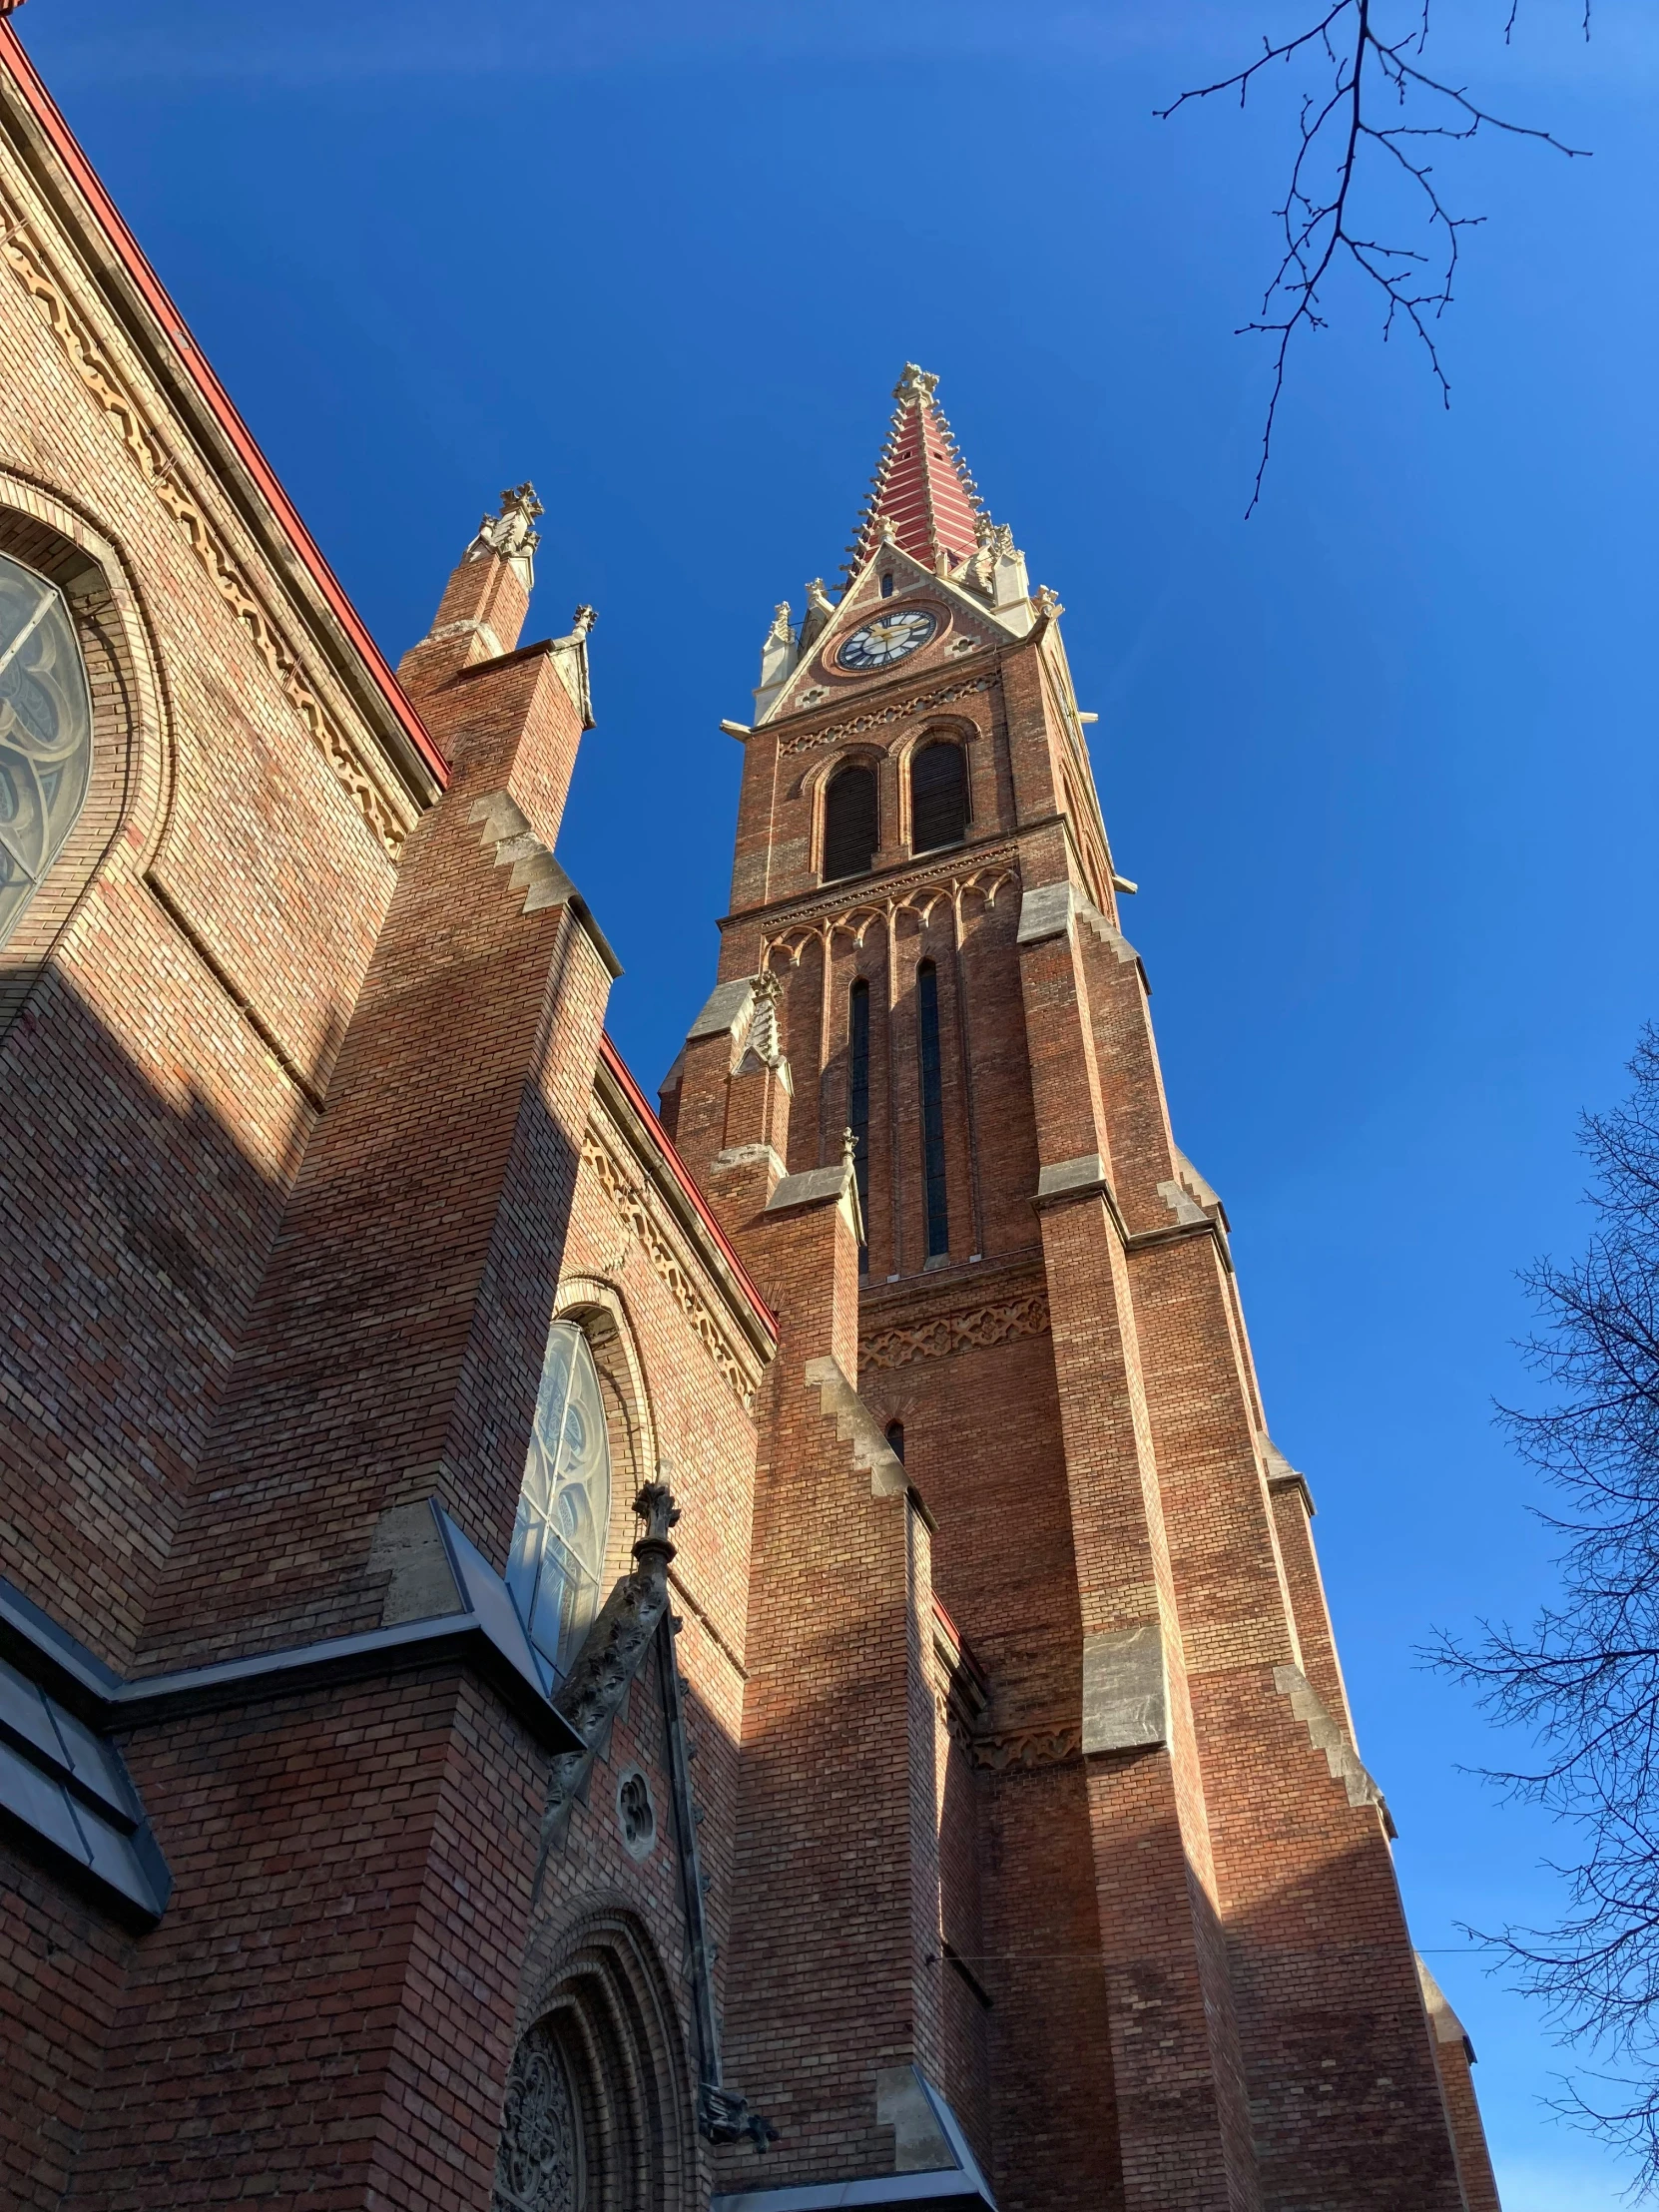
858 1101
938 796
45 735
564 1509
936 1207
850 823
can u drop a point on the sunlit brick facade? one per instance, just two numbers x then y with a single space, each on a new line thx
553 1660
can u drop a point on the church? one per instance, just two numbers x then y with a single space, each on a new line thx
557 1655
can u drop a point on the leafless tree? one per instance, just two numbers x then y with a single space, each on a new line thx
1368 123
1585 1679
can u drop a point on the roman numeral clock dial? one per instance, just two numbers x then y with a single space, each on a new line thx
887 639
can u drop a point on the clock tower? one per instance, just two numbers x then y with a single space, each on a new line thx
1056 1856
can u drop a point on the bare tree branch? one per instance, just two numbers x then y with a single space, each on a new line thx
1584 1680
1363 71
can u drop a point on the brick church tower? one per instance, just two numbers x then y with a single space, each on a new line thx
547 1668
1051 1791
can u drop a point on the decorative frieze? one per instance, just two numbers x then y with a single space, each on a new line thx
144 441
633 1209
915 894
1026 1747
806 740
999 1322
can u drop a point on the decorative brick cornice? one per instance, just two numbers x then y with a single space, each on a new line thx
916 891
633 1209
998 1322
805 740
147 448
1027 1747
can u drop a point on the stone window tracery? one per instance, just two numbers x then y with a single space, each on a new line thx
45 735
539 2165
564 1509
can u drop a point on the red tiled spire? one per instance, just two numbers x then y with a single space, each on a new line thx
921 484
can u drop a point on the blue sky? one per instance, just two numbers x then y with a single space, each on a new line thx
1382 759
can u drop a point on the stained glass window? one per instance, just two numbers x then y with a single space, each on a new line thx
564 1509
45 735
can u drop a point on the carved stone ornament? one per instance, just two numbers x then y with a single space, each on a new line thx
511 534
762 1039
591 1694
538 2165
636 1814
915 383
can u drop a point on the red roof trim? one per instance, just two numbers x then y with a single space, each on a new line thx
682 1174
960 1643
131 254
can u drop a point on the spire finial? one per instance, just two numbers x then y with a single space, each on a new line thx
511 535
512 531
921 497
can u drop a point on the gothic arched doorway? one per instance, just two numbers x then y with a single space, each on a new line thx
598 2111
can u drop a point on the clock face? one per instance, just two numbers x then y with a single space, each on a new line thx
886 640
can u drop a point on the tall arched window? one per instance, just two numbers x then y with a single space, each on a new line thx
938 796
849 823
45 735
858 1102
932 1112
564 1509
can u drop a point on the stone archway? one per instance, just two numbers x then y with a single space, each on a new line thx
598 2115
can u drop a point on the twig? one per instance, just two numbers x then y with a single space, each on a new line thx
1317 217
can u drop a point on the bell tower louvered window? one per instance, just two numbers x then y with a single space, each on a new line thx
850 824
938 797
